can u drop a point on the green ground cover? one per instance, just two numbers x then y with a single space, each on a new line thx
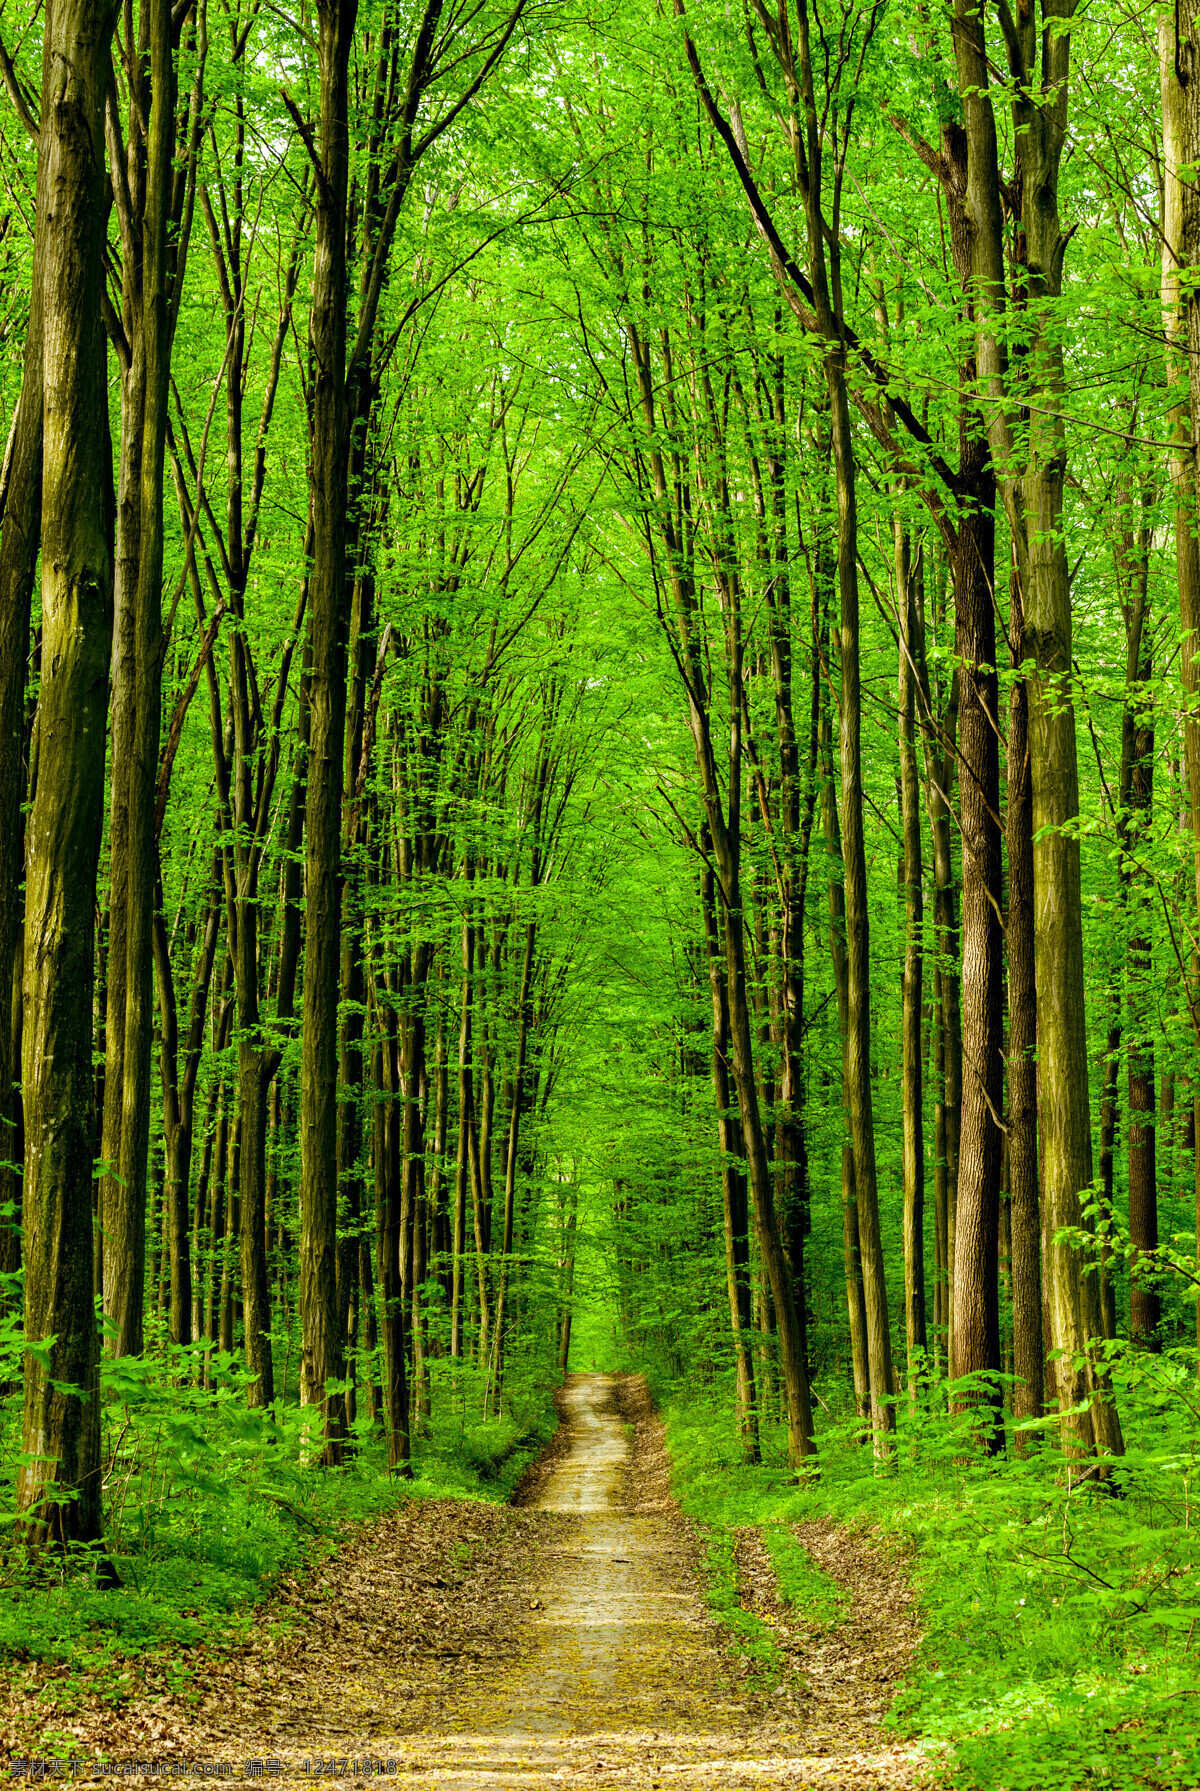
209 1505
1060 1646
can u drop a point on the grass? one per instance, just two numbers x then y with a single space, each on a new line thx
1062 1621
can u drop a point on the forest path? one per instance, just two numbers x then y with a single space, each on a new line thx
454 1645
624 1683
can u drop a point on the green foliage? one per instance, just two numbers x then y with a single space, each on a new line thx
466 1456
1059 1613
209 1504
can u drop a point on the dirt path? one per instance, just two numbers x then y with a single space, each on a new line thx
459 1646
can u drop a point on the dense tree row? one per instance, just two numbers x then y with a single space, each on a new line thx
520 501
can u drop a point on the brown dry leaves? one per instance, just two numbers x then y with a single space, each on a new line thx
414 1635
369 1643
839 1680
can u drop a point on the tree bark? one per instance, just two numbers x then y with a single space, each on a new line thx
1029 1352
976 1313
179 1091
321 1346
1033 492
733 1187
20 535
387 1267
912 1091
58 1492
1178 57
851 1254
465 1101
858 948
1144 1303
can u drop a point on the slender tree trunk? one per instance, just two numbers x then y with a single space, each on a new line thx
124 1236
125 1214
465 1102
939 770
256 1281
432 1338
229 1240
941 1286
1144 1304
387 1211
217 1230
733 1188
242 913
727 850
200 1216
1177 55
858 948
179 1088
321 1359
351 976
412 1145
856 1304
20 535
420 1269
567 1283
479 1134
912 1091
791 1363
852 1258
976 1315
58 1491
1028 1349
519 1095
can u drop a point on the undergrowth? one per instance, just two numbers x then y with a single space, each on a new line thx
1060 1618
208 1504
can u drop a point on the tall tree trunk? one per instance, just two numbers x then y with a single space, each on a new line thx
20 535
940 747
179 1093
465 1103
387 1267
412 1132
1177 53
793 1369
321 1359
432 1338
567 1278
256 1280
351 976
912 1091
1144 1304
858 946
733 1187
512 1146
1033 494
1029 1351
941 1284
976 1314
123 1234
125 1212
851 1254
58 1490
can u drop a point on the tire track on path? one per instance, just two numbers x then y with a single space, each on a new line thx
625 1684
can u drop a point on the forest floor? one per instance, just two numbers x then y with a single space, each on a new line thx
563 1640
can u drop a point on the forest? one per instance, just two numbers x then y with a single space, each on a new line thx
600 774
